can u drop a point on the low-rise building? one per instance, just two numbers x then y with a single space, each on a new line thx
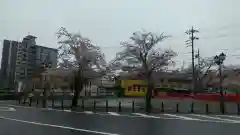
134 84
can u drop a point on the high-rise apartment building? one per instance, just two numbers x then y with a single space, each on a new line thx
21 60
8 62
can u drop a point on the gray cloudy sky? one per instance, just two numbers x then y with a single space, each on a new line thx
107 22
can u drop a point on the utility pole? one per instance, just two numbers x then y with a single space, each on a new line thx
219 59
190 42
198 69
198 57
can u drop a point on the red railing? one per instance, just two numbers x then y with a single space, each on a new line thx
198 96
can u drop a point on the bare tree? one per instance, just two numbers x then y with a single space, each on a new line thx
202 70
78 52
140 54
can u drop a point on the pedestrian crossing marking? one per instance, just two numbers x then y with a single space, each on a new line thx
67 110
12 109
5 109
215 118
114 113
88 112
180 117
147 116
230 116
140 114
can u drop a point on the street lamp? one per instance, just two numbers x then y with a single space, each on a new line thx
218 59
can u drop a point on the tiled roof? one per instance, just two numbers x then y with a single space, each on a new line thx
158 75
67 72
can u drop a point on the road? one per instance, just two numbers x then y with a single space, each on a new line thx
28 121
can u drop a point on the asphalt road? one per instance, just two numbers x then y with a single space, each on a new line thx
15 120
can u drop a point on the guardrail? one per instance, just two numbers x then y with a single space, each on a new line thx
199 96
133 106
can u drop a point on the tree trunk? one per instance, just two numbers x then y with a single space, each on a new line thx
76 96
149 92
44 98
78 86
148 98
150 87
45 94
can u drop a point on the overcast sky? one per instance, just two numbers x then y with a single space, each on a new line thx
107 22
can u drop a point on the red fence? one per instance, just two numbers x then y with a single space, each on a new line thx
199 96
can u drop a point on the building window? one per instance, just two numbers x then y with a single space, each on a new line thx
139 89
129 88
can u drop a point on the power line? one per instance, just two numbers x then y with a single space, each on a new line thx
221 28
110 47
217 30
